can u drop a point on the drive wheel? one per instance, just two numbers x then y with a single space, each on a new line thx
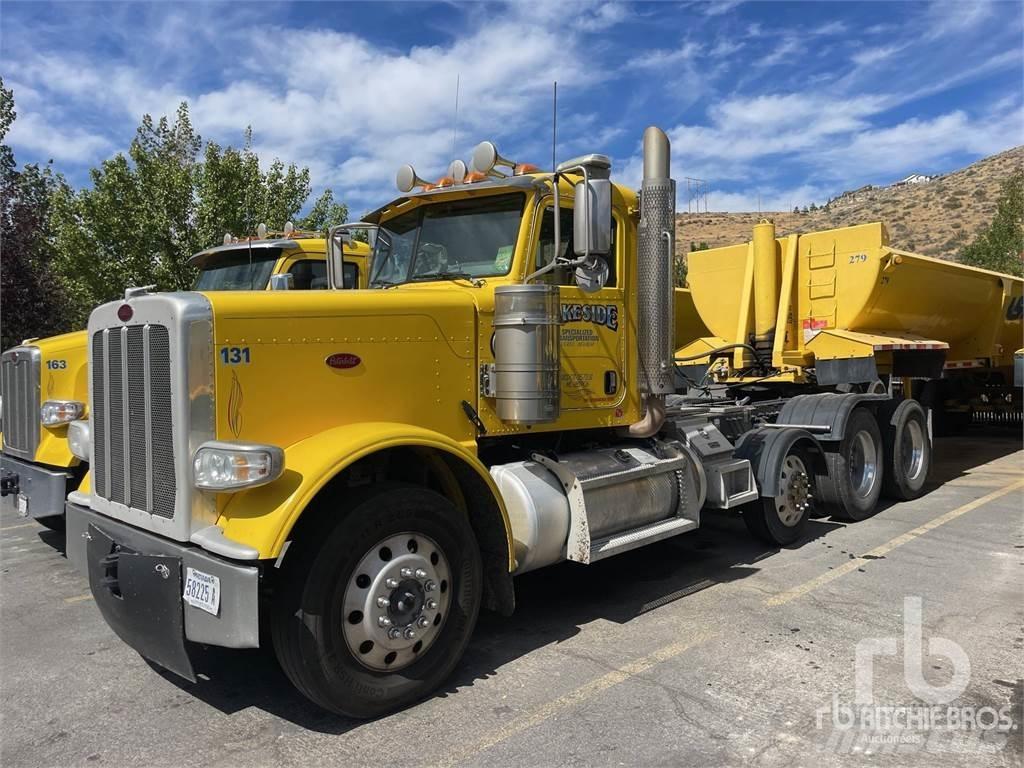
377 616
782 519
854 480
909 454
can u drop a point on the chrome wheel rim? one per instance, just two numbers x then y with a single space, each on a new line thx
794 498
863 464
396 601
912 450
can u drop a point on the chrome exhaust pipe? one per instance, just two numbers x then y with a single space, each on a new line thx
655 252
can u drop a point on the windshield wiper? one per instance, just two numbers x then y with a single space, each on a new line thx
445 275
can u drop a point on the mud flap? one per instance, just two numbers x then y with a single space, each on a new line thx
140 598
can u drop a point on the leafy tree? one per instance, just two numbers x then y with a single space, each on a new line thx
170 196
796 209
31 301
1000 246
325 213
813 207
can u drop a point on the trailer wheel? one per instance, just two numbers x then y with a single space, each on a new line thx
909 453
854 480
782 519
377 616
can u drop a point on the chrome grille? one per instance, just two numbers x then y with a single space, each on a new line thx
19 386
132 439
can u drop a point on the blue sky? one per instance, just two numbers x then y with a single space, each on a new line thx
792 102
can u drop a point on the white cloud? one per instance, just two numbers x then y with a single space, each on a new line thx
868 56
70 144
660 58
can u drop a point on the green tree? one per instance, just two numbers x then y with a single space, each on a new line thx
31 301
324 213
1000 245
147 211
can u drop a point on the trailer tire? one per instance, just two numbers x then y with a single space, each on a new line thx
782 519
908 452
408 548
854 483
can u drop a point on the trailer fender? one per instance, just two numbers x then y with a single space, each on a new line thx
827 409
263 517
767 448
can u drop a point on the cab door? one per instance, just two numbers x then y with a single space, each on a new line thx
592 350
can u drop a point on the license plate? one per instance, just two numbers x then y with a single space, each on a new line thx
202 590
23 505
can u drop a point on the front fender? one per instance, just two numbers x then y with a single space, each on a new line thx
263 517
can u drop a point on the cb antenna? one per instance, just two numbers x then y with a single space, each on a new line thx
554 125
455 129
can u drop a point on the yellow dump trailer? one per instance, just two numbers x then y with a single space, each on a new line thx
842 307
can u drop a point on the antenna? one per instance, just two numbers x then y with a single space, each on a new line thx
554 124
455 129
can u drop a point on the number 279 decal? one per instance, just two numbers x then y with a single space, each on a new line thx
235 355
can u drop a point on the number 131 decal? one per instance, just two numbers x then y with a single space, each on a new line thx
234 355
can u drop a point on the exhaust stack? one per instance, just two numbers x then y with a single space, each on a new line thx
655 251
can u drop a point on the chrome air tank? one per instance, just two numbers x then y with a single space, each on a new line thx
526 353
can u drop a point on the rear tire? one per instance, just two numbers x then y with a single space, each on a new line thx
908 453
391 556
854 482
782 519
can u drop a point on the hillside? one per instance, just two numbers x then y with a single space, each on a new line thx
935 218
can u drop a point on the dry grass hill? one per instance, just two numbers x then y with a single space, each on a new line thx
935 218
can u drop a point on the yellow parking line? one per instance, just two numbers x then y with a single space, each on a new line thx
851 565
78 598
571 699
15 527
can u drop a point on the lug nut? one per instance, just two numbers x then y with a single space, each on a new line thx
430 586
431 604
406 573
420 573
383 621
394 633
423 621
391 583
383 602
409 634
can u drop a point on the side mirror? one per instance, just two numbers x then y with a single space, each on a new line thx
282 282
592 224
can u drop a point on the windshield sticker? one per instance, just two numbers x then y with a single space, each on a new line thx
599 314
503 260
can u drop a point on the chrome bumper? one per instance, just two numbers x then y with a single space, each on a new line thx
44 490
136 579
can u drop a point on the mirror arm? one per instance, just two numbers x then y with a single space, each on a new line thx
556 260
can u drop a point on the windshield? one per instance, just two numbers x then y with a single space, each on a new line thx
462 238
233 271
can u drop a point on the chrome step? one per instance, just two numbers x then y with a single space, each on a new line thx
647 534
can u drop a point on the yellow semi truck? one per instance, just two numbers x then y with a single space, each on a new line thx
358 473
43 382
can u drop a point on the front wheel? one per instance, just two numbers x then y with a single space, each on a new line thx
379 614
782 519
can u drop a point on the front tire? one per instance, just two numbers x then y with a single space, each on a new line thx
378 615
782 519
854 481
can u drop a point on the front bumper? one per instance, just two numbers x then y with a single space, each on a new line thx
137 578
43 490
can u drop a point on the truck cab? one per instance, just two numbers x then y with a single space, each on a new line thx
43 382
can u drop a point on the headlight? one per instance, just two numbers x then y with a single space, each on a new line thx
57 412
227 466
80 438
